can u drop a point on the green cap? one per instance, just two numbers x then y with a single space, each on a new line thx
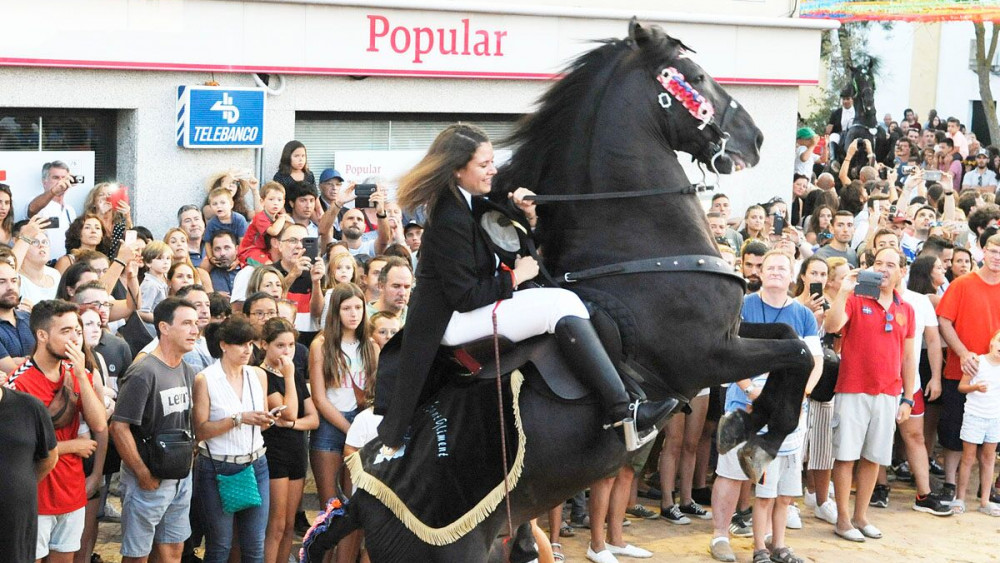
804 133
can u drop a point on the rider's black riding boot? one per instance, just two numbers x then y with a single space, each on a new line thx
583 351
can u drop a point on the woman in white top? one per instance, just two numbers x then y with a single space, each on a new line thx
38 281
228 415
342 358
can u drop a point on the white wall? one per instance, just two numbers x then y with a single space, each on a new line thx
957 84
894 48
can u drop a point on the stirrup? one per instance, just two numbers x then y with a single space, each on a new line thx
633 438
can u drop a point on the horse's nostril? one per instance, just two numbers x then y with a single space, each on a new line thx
759 140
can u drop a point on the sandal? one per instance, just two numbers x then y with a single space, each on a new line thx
990 509
557 556
761 556
566 531
958 507
785 555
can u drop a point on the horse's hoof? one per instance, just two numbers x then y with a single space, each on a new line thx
734 429
753 461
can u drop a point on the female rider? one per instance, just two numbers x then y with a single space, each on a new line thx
460 280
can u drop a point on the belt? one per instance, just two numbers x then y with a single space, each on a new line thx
238 459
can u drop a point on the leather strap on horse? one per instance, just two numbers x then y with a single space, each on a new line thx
503 425
704 263
554 198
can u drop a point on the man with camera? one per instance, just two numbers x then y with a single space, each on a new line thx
150 423
843 234
56 181
877 366
354 222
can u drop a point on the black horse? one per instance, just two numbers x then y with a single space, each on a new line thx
610 127
865 123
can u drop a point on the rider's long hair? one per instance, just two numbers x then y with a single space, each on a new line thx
335 363
435 174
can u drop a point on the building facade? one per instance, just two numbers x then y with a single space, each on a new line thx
362 84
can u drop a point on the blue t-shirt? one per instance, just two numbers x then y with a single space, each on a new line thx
801 319
237 226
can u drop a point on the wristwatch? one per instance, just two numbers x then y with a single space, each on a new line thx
907 401
382 216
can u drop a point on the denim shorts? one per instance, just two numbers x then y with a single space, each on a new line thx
60 533
328 438
159 516
979 430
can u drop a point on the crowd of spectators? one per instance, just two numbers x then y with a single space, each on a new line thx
251 332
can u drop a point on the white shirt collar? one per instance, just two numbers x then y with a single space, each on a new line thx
466 195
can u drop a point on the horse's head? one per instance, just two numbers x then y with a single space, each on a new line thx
863 84
698 115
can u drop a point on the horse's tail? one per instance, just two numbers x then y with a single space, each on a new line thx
332 525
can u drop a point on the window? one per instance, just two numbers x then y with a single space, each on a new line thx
325 133
25 129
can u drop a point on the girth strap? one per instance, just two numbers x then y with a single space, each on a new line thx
686 263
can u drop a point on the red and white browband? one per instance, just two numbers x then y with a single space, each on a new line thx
678 88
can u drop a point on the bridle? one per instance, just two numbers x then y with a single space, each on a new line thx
676 90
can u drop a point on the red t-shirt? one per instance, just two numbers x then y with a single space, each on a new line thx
871 359
64 489
973 307
253 245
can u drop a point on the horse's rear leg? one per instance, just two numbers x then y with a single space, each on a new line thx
774 348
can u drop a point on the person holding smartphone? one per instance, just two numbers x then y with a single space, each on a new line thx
56 181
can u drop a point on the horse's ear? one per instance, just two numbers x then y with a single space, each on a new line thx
637 35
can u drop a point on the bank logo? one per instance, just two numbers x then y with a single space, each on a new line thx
219 118
230 112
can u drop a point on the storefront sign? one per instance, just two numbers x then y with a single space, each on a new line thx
324 39
210 117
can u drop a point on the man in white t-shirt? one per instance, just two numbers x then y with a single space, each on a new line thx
805 141
56 180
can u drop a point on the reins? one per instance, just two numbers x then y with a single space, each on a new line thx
503 424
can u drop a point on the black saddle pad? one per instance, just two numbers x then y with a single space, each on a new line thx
448 477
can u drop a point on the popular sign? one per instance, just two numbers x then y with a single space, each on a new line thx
210 117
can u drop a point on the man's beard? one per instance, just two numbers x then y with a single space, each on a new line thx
352 233
9 300
60 355
753 284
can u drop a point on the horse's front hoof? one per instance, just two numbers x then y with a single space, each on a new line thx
753 461
734 428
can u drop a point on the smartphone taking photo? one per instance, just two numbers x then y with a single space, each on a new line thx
869 284
363 192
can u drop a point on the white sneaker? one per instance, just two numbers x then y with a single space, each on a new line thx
629 551
111 514
827 512
809 499
604 556
794 521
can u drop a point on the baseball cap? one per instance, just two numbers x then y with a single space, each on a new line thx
804 133
983 152
329 174
411 224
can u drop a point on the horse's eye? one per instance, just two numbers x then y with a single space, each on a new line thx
698 79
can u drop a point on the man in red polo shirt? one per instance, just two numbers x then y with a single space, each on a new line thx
62 494
877 364
969 315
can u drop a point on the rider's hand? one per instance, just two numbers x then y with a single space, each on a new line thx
525 268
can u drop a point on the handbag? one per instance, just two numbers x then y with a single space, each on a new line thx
64 407
237 491
169 453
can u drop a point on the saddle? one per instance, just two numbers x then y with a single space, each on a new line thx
477 359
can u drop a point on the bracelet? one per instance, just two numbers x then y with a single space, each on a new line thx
117 261
233 418
26 239
382 216
903 400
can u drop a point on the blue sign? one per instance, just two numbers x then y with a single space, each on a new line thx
212 117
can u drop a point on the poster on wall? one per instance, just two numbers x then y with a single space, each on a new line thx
22 171
387 167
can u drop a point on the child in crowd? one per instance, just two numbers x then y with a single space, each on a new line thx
158 257
980 427
384 326
253 248
221 202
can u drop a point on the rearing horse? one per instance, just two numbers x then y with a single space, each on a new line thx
648 262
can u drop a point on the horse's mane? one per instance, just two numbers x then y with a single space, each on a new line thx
542 140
